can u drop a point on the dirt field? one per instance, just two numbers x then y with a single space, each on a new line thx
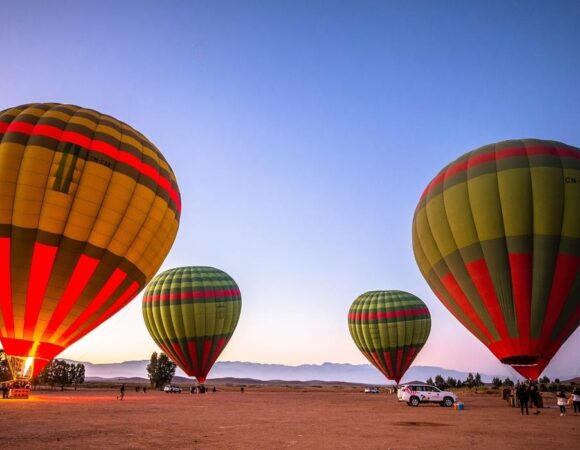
273 419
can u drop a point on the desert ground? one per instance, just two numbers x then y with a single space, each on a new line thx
274 418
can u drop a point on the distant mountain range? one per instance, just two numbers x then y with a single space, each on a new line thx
349 373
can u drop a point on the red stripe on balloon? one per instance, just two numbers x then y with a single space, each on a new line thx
205 294
475 161
564 277
181 359
460 298
521 275
216 351
481 278
192 350
399 364
104 294
410 356
6 287
389 370
388 314
97 146
125 298
43 257
81 275
204 359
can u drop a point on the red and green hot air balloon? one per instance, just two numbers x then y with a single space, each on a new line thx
191 313
496 234
389 328
89 208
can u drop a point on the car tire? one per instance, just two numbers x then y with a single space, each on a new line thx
448 402
414 401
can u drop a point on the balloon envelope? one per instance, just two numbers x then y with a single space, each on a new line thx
191 313
389 328
89 208
496 234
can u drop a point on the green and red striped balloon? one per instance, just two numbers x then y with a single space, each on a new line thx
191 313
389 328
496 234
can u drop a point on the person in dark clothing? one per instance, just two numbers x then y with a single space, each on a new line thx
5 390
535 396
121 392
523 394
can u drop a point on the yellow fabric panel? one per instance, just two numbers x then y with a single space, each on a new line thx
55 211
113 209
516 201
145 249
10 156
456 203
420 257
78 120
439 226
33 111
32 177
547 188
426 238
87 202
60 115
571 224
483 199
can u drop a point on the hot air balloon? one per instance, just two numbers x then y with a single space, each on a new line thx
389 328
89 208
191 314
496 234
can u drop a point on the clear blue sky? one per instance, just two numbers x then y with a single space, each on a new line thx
302 134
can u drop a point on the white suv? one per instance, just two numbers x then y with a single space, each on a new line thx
414 394
172 389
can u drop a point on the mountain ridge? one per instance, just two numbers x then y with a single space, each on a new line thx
327 372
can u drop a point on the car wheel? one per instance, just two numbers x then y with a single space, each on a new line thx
448 401
414 401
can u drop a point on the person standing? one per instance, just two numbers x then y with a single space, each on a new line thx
576 400
122 392
523 394
561 401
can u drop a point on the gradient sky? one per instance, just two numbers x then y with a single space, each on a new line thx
302 134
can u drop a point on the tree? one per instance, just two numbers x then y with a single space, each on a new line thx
160 370
545 380
429 381
470 380
60 373
507 382
5 372
76 374
440 382
451 382
496 382
477 381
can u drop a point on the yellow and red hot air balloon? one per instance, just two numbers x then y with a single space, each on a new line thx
89 208
496 234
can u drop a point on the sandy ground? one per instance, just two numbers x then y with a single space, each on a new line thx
262 419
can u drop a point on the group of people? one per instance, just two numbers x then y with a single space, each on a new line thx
528 392
562 400
201 389
6 387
